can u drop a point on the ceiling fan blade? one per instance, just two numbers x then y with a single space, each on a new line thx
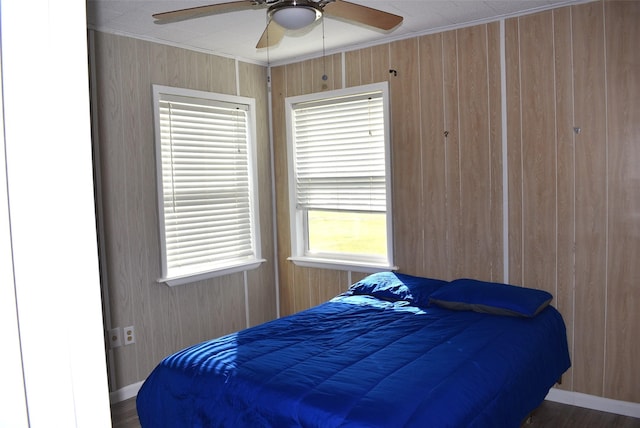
271 35
362 14
200 11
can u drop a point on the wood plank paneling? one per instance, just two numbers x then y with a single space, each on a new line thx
452 128
296 79
514 149
476 234
326 284
165 319
538 151
337 80
366 66
145 168
380 64
622 372
408 206
161 310
261 294
278 95
297 83
494 245
329 67
593 86
220 75
352 66
591 196
302 298
547 179
190 329
125 253
565 183
434 160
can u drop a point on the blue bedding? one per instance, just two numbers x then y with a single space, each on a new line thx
364 360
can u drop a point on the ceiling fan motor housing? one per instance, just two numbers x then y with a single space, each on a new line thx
295 14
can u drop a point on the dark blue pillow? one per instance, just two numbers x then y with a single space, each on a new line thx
491 297
393 287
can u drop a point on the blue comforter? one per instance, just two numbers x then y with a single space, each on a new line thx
358 361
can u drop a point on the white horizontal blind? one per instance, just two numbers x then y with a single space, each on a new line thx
340 153
205 184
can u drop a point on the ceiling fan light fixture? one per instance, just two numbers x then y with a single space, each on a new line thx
294 15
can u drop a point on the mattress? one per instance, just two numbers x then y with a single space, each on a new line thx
364 360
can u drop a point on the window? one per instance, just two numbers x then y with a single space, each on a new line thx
206 184
340 193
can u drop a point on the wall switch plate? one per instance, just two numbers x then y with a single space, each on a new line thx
115 337
129 336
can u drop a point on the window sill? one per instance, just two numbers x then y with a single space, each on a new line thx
186 279
348 265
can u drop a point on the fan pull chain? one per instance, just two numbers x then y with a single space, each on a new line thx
268 44
324 57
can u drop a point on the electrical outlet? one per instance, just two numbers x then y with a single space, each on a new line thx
115 337
129 335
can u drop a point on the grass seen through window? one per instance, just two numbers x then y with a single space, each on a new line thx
347 232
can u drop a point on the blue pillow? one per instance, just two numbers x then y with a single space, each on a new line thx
393 287
491 297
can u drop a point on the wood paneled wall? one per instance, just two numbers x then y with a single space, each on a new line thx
573 78
621 375
166 319
446 156
573 212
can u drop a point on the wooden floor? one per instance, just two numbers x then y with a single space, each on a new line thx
548 415
124 414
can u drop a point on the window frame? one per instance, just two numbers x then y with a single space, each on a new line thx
298 224
254 260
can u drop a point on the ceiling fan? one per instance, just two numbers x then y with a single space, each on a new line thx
289 15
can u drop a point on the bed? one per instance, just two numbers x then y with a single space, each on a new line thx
393 351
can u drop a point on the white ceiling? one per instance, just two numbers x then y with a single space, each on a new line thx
235 34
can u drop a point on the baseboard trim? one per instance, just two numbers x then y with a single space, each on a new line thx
593 402
125 393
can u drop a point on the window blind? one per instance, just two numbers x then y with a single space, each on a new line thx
340 153
205 183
